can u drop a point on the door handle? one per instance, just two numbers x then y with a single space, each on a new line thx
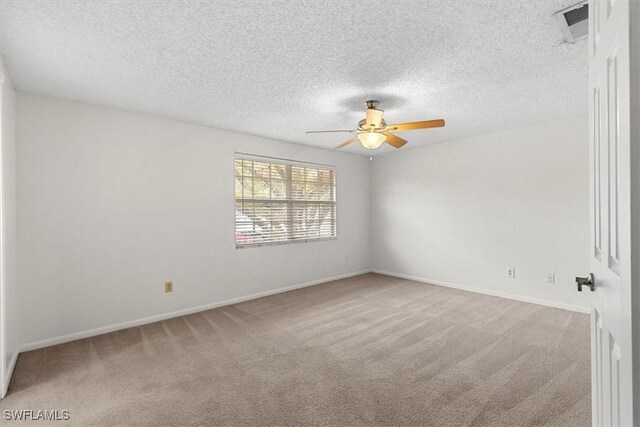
588 281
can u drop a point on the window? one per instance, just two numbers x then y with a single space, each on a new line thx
281 201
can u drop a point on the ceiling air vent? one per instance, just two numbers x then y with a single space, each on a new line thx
574 21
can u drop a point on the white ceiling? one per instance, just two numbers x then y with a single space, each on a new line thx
279 68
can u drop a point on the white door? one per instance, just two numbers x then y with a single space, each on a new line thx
609 99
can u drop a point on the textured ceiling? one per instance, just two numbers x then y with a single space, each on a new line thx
279 68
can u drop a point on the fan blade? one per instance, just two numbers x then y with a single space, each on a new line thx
417 125
329 131
394 140
344 144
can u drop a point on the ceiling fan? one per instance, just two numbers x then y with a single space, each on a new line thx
373 131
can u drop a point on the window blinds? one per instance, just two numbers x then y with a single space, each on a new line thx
280 201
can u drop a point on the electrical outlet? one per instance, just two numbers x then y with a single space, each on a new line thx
551 277
168 287
511 272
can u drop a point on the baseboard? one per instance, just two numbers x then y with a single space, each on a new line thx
146 320
9 373
507 295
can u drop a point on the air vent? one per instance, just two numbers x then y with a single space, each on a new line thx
574 21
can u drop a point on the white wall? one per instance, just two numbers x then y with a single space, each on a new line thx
112 204
10 334
462 212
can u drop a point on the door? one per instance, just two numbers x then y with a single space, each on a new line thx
609 99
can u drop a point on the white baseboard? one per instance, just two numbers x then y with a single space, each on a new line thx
9 373
156 318
539 301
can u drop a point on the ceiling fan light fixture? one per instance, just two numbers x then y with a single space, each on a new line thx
371 140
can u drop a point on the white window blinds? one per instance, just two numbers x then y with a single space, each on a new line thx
280 201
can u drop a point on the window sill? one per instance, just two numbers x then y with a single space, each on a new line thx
286 242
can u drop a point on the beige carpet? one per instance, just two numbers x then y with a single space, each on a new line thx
369 350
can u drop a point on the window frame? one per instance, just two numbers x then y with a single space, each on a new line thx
289 201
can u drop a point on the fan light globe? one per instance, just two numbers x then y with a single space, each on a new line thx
372 140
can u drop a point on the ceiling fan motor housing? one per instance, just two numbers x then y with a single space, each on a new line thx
373 120
362 125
